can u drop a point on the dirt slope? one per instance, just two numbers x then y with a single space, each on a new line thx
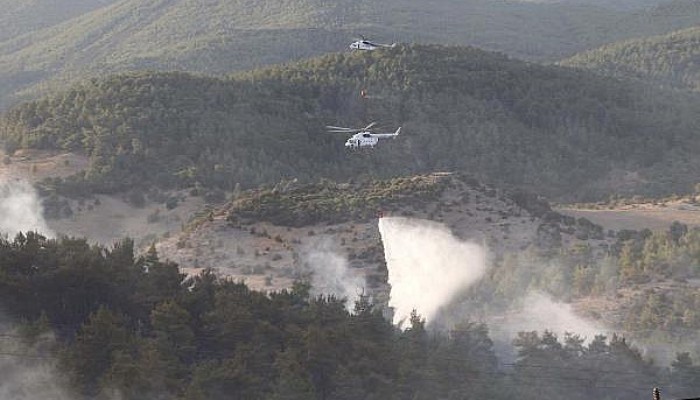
270 256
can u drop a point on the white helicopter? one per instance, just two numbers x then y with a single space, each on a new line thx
364 44
362 137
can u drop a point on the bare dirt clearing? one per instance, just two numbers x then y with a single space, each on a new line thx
106 219
102 219
641 216
35 165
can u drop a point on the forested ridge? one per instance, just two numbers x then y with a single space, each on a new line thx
223 36
552 129
656 271
137 328
331 202
107 322
670 60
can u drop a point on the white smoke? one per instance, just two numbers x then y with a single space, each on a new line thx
29 380
29 371
427 265
26 374
20 209
538 312
330 271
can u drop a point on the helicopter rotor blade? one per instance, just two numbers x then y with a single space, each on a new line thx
339 128
343 131
369 126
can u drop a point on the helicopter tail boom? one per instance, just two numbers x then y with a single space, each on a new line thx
387 135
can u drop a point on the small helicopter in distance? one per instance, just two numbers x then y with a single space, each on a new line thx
362 137
364 44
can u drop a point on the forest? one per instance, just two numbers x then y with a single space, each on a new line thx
652 277
669 60
217 37
167 100
555 130
331 202
115 324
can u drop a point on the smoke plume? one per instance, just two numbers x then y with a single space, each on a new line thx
538 312
330 271
427 265
29 380
20 209
29 371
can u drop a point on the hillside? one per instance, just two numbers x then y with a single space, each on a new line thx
98 321
222 36
640 283
665 17
670 60
270 237
639 216
22 17
560 132
623 5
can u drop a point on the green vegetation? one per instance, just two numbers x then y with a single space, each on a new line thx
551 129
657 272
170 130
223 36
669 60
136 327
332 202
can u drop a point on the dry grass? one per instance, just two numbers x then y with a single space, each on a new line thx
35 165
651 216
111 219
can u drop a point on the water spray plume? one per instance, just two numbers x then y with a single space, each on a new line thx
427 265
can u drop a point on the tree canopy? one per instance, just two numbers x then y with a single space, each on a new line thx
555 130
136 327
669 60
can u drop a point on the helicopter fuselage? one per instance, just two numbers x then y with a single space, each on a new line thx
367 45
363 45
361 139
368 139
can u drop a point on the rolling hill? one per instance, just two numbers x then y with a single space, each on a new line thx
218 37
624 5
137 325
640 284
271 232
561 132
21 17
670 60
